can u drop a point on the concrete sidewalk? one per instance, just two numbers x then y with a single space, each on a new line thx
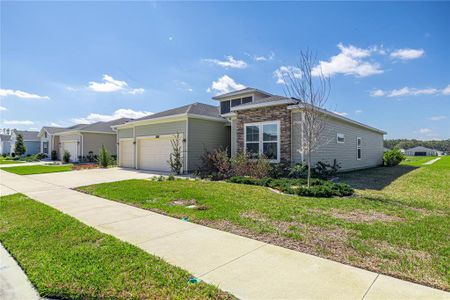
247 268
432 161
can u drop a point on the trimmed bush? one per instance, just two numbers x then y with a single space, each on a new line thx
66 157
54 155
393 157
104 158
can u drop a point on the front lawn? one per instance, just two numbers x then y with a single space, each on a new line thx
401 229
64 258
40 169
417 160
9 162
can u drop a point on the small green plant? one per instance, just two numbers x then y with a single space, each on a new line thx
66 157
393 157
171 177
19 147
54 155
175 160
104 158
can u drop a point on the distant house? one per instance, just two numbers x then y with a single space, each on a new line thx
421 151
386 149
5 143
30 139
80 140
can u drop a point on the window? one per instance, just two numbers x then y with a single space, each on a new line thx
247 100
263 139
340 138
358 148
235 102
45 147
45 134
224 107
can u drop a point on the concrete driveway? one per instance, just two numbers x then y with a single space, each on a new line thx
74 179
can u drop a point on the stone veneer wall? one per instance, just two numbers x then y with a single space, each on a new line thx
263 114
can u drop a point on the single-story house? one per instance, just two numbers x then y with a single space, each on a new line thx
248 120
81 140
145 143
30 140
421 151
263 123
5 143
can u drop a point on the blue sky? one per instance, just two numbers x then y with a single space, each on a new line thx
62 63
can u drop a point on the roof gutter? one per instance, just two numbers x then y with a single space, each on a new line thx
263 104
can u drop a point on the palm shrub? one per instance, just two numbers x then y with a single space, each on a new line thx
66 157
104 158
393 157
175 160
20 148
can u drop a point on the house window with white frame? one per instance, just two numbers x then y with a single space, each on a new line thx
358 148
263 139
340 137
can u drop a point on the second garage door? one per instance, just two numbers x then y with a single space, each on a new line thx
154 154
126 153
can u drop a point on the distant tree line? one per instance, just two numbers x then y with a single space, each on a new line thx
443 145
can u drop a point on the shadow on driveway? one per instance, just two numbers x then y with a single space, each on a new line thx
376 178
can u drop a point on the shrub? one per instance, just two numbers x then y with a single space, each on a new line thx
393 157
54 155
215 165
324 191
171 177
66 157
13 154
104 158
19 147
4 155
175 160
298 171
279 170
325 170
41 156
243 165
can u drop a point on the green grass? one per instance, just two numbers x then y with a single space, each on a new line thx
40 169
397 224
9 162
416 161
64 258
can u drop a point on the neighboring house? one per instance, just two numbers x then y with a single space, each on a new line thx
47 137
421 151
30 139
83 140
5 143
385 149
145 143
248 120
262 123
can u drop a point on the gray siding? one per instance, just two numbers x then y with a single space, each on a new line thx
32 147
125 133
205 135
161 129
346 153
94 141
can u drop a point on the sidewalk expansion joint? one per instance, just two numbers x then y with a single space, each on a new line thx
166 235
118 221
368 289
233 260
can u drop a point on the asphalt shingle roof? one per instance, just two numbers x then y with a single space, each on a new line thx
53 130
196 108
28 135
242 91
100 126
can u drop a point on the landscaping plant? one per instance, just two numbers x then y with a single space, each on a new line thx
104 158
215 165
175 160
393 157
325 170
54 155
20 148
66 157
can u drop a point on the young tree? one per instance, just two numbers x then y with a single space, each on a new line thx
20 148
176 157
104 158
311 88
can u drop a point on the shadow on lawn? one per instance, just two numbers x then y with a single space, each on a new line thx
376 178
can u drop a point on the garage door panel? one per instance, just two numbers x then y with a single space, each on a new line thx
154 154
126 153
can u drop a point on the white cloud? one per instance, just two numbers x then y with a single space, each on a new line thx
437 118
170 38
21 94
33 129
425 130
120 113
358 111
225 84
2 108
108 85
285 72
446 90
55 124
407 54
405 91
264 58
18 122
229 62
183 85
350 61
138 91
341 113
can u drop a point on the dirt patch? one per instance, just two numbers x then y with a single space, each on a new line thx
256 216
184 202
360 216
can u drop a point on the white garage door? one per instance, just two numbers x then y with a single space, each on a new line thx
126 153
72 147
154 154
